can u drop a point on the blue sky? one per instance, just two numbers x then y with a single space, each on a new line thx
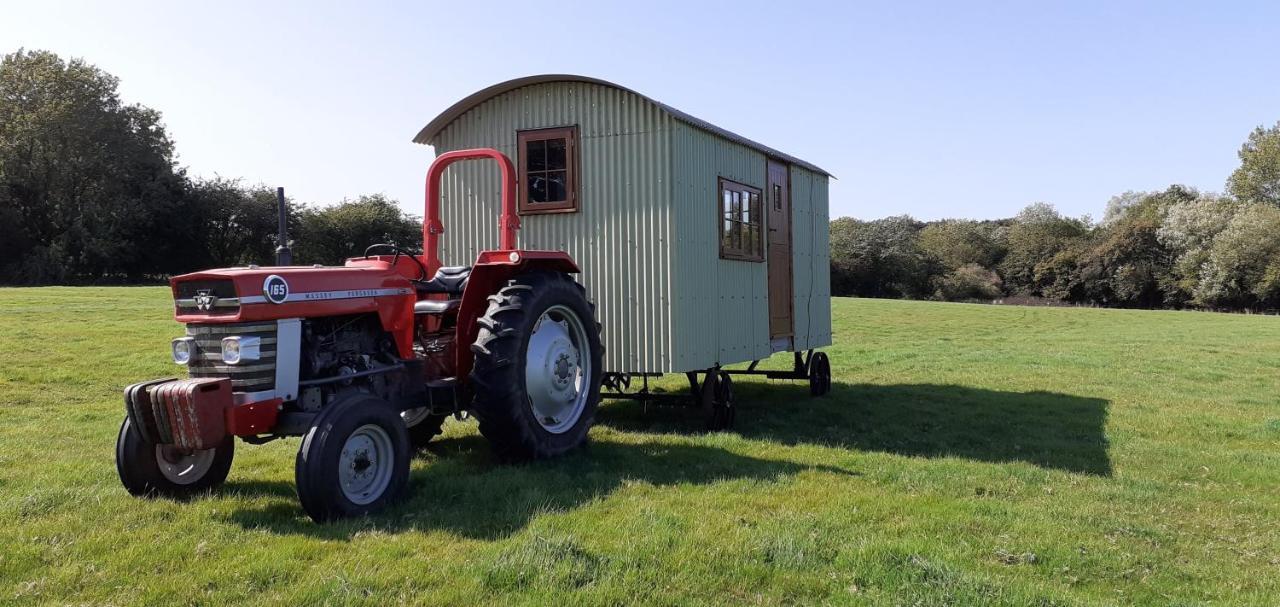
945 109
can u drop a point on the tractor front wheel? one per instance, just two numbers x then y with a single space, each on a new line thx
537 367
354 460
151 469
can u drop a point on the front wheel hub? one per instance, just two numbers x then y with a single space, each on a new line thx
365 464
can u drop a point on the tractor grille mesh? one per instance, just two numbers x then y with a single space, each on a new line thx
248 376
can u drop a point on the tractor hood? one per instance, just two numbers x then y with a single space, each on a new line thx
266 293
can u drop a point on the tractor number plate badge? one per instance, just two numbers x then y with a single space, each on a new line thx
275 289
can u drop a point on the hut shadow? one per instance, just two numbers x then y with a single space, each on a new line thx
466 492
1047 429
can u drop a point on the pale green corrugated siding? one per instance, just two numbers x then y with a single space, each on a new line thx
721 310
811 263
621 235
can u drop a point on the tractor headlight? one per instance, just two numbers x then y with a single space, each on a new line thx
183 349
236 349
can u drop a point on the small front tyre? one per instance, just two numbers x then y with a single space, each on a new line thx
150 469
354 460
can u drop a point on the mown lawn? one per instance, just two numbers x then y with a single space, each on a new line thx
967 455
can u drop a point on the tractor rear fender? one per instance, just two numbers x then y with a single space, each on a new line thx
491 270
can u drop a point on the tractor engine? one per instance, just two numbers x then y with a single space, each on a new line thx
346 352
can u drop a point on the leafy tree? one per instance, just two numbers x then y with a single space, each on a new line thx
238 224
1242 266
956 243
1258 178
1127 264
89 179
968 282
1187 230
331 234
879 258
1037 235
1120 204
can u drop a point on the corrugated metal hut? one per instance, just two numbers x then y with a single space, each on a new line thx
699 246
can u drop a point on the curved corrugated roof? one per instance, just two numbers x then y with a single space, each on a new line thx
438 123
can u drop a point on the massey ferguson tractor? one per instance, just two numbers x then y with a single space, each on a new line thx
366 361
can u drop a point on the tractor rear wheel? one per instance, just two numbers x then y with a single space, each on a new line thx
537 367
354 460
152 469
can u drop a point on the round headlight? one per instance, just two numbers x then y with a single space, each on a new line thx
230 350
183 348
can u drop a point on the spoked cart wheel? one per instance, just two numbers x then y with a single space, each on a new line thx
819 374
354 460
720 408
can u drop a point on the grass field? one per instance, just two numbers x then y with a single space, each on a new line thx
967 455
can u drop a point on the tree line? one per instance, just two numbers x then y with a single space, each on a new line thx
1175 248
90 191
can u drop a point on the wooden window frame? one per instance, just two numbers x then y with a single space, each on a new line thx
570 205
757 219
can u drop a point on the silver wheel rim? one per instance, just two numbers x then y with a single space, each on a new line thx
182 467
413 417
557 369
365 464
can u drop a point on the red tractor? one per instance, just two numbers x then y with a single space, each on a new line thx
366 361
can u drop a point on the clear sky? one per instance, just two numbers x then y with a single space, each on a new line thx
946 109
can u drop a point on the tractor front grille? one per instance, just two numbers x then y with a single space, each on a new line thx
249 375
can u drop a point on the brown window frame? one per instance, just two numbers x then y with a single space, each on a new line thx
570 204
755 217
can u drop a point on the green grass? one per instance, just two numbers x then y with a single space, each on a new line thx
967 455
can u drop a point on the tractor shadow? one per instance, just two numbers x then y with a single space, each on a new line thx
1046 429
458 486
462 489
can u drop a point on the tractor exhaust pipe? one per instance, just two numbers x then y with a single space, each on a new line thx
284 256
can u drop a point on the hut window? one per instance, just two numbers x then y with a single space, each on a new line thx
741 222
548 161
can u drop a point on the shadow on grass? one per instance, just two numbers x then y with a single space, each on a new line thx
465 491
1047 429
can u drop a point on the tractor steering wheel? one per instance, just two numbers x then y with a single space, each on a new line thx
422 269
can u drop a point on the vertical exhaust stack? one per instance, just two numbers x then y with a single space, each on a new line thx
284 256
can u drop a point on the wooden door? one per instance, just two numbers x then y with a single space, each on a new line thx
778 197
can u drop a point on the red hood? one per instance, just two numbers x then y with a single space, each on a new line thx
308 291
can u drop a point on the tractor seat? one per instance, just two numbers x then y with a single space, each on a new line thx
436 306
450 280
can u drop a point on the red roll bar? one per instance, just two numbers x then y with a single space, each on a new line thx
432 228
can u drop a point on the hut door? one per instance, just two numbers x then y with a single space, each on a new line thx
778 195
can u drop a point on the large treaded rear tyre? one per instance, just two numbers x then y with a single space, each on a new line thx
354 460
148 469
561 360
